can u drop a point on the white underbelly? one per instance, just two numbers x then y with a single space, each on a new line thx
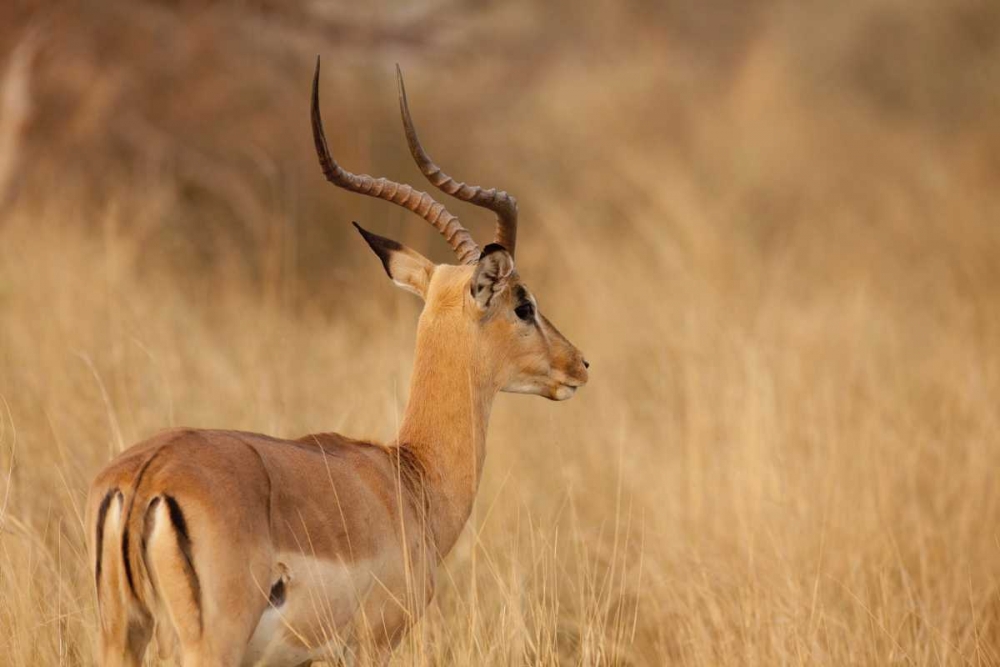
316 618
269 644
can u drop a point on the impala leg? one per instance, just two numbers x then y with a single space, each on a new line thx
213 657
223 642
224 647
125 627
124 644
207 577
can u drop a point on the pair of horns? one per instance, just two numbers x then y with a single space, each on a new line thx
421 203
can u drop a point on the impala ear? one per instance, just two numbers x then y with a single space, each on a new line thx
407 268
492 274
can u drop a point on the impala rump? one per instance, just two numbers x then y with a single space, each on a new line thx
194 517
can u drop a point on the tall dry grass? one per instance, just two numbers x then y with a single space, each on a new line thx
772 228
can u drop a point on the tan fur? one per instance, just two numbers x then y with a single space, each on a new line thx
353 530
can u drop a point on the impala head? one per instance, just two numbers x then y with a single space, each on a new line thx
480 305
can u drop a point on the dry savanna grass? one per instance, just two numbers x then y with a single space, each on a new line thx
772 228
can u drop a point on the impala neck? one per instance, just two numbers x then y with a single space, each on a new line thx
445 423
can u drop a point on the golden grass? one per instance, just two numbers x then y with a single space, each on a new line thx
779 250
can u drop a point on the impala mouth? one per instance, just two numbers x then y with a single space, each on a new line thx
565 391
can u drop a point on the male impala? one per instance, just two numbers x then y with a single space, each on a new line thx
241 548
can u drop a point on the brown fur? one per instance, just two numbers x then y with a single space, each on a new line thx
201 524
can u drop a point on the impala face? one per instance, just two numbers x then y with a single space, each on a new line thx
493 309
535 357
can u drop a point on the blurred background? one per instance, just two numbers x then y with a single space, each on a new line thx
773 227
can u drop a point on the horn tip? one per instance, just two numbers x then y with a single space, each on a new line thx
316 76
399 84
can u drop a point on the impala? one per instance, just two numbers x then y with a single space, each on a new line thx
239 548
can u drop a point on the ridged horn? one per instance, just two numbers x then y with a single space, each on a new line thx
498 201
404 195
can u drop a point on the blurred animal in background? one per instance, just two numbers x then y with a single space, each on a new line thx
240 548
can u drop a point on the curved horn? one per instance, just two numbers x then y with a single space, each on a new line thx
406 196
498 201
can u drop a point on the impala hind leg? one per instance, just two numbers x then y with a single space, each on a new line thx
125 628
125 645
207 583
225 644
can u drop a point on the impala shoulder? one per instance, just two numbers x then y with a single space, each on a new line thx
378 466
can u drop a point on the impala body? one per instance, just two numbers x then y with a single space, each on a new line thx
239 548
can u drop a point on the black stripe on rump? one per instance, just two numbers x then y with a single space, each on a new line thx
128 516
128 565
184 544
102 515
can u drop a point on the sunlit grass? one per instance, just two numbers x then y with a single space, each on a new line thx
787 451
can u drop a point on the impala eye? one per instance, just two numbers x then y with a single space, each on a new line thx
526 311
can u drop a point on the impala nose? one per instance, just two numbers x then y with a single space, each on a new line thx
586 364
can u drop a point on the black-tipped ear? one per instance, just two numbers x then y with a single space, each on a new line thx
407 268
382 246
492 274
